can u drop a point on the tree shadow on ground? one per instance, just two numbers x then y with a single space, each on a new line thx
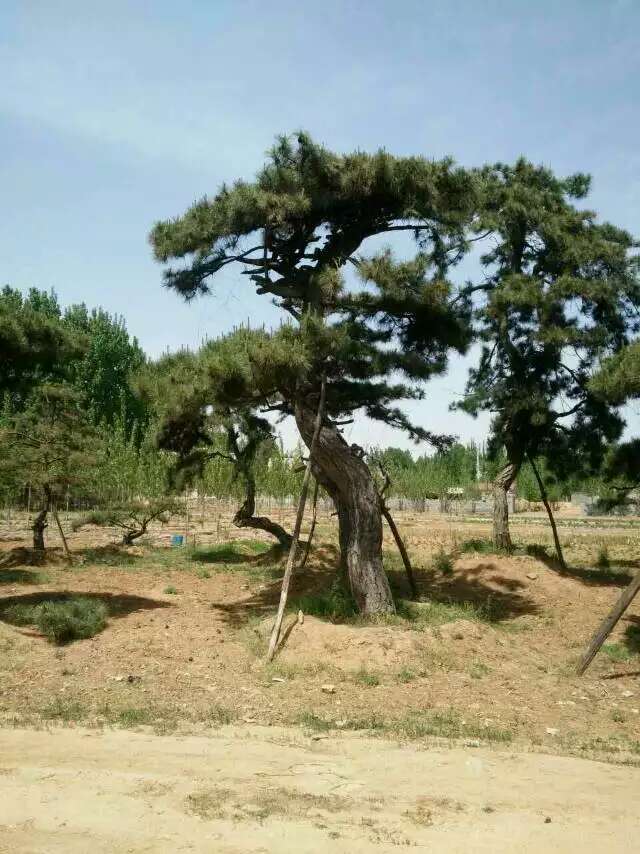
113 554
117 604
632 634
20 576
317 575
591 577
227 553
496 599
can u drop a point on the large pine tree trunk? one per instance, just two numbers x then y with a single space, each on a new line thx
347 479
501 486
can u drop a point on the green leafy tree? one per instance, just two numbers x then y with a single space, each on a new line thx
293 231
104 373
35 344
132 518
559 292
49 446
618 382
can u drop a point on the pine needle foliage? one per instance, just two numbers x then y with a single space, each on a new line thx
293 230
560 291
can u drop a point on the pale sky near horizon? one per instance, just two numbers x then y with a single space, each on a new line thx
115 115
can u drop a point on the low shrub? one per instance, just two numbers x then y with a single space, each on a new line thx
61 621
443 562
73 619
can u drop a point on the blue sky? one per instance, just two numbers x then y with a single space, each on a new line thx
113 115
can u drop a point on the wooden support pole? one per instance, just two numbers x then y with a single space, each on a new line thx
624 600
404 554
401 548
314 518
275 634
545 501
64 539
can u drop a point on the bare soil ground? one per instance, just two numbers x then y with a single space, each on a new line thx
485 659
488 655
272 790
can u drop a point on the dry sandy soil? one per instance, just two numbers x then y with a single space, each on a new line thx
483 662
272 790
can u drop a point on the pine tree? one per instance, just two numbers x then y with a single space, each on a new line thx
49 446
618 382
293 230
36 346
197 423
559 292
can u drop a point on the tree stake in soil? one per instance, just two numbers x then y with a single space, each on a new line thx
312 529
275 634
624 600
396 533
547 505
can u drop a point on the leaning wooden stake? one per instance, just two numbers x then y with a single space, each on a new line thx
64 539
402 549
545 501
312 529
404 554
624 600
275 634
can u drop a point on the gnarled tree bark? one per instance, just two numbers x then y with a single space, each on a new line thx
501 486
40 522
346 477
244 517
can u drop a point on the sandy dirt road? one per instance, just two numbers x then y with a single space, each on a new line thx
75 791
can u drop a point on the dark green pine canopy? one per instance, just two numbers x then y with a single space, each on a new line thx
560 291
294 230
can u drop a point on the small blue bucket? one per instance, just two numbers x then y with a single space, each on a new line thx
177 539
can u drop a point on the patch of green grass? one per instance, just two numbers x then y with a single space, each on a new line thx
476 545
479 669
373 722
208 804
602 561
442 562
170 590
203 572
235 551
219 715
62 709
537 550
447 724
437 613
364 677
61 620
406 674
109 556
616 651
22 576
334 604
313 722
618 716
134 716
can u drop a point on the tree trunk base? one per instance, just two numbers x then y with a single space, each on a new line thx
341 470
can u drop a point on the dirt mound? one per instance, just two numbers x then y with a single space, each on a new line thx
349 647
